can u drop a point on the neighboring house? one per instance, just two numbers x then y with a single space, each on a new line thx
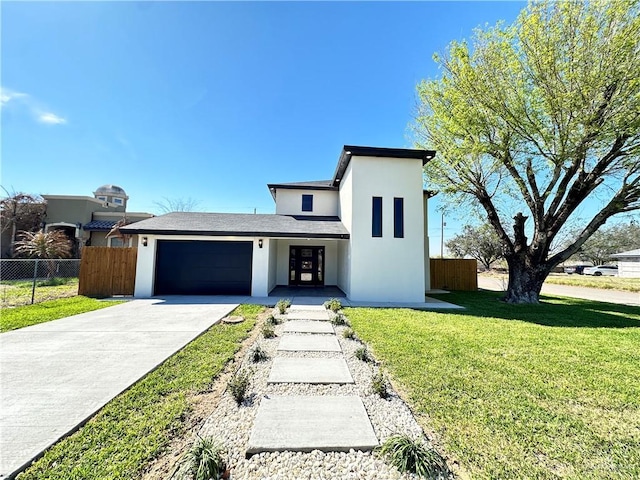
628 263
364 231
88 220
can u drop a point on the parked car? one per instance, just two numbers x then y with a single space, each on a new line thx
577 269
607 270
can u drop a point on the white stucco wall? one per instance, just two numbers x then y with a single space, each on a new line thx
273 263
289 202
145 266
629 267
427 265
344 247
386 268
330 261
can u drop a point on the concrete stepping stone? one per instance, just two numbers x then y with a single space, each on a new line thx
306 423
308 326
309 343
308 315
309 370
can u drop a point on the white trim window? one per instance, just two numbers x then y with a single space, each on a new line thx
118 201
117 242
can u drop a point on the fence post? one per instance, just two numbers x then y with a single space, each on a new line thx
33 288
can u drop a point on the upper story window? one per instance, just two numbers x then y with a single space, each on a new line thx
104 199
307 203
398 217
376 217
117 201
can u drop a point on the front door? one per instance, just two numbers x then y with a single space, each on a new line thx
306 266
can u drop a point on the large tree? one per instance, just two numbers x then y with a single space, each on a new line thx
532 120
20 211
480 243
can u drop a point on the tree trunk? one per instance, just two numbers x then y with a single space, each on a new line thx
525 280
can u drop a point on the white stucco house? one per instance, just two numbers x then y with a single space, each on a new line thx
628 263
364 231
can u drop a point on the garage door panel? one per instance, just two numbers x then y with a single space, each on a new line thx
203 268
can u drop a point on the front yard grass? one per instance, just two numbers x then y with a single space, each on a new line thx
24 316
136 426
526 391
18 292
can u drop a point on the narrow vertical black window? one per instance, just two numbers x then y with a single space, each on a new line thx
376 217
307 203
398 217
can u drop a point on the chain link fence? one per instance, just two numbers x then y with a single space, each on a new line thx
23 282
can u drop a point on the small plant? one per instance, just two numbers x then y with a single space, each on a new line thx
339 319
258 354
363 354
268 331
206 459
409 455
379 385
348 333
238 385
273 321
333 304
282 305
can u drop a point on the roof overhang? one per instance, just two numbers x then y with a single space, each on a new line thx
349 151
218 233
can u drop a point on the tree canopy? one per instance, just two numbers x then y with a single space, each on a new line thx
609 240
481 243
532 119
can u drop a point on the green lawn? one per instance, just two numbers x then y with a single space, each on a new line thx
14 293
18 317
135 427
517 391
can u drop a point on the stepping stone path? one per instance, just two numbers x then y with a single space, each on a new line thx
306 423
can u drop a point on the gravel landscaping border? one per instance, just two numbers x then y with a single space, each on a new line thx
231 424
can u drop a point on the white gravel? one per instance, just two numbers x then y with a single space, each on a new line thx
232 424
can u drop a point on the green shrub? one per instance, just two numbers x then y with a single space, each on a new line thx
339 319
282 305
363 354
273 321
206 459
413 456
348 333
258 354
379 385
268 331
333 304
238 385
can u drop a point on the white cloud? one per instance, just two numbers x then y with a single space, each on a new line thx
51 118
7 95
30 105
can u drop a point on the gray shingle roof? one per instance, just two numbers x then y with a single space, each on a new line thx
240 224
100 225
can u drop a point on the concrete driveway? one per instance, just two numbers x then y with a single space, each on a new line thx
56 375
597 294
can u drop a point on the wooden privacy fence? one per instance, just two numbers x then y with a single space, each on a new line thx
454 274
107 271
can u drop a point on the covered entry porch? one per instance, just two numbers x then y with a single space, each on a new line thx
307 267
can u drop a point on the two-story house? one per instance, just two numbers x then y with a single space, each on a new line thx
88 220
364 231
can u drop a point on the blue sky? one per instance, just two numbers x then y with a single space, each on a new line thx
213 100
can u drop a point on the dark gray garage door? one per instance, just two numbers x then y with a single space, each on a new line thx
203 268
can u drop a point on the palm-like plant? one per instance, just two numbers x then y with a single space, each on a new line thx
49 245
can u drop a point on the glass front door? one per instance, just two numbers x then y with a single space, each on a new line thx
306 266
